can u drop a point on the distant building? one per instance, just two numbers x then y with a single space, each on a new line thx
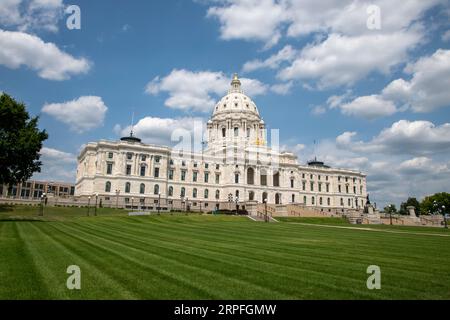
33 189
236 166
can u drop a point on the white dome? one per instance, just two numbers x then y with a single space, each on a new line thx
236 102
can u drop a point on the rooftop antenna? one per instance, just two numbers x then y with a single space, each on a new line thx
314 150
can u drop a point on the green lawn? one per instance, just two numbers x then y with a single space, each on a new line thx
212 257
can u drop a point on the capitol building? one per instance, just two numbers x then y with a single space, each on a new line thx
236 168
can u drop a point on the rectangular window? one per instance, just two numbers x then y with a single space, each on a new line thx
236 178
110 155
143 157
320 187
217 167
217 178
142 171
129 156
183 175
171 174
264 180
194 176
109 168
157 159
340 188
128 172
312 186
328 188
206 166
304 186
206 177
292 184
156 172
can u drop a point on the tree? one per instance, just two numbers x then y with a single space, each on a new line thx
390 209
427 206
410 202
20 142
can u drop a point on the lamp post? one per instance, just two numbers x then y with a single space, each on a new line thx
265 210
200 206
42 204
445 219
236 200
132 206
89 205
186 205
96 199
435 206
159 203
390 214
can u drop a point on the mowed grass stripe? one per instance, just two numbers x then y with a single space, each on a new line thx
19 276
205 279
406 280
65 253
129 268
304 273
232 266
312 251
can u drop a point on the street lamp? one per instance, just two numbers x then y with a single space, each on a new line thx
132 206
159 202
96 198
42 204
390 214
237 204
89 205
200 206
445 219
186 204
435 206
265 215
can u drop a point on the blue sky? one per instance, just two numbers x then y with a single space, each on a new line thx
371 87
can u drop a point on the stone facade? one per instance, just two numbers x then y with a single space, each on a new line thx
236 167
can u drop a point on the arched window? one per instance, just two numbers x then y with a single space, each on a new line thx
156 189
142 188
183 192
304 199
127 187
349 202
250 176
251 196
320 200
237 194
194 193
206 193
313 200
224 132
277 198
108 186
328 201
342 202
236 131
264 197
170 191
236 178
217 194
293 198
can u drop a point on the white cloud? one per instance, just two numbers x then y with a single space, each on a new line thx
30 15
57 165
403 137
273 62
282 88
369 107
190 90
446 36
22 49
250 20
333 63
81 115
425 92
162 131
428 88
318 110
